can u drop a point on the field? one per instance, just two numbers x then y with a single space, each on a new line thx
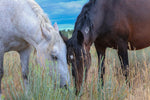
115 87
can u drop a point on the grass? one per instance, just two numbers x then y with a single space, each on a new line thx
42 86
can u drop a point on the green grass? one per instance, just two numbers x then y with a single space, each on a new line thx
43 87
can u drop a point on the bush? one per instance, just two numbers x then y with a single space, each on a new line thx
67 33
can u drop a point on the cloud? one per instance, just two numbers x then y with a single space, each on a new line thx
64 12
65 26
71 7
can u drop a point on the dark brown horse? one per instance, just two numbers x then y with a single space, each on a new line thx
108 23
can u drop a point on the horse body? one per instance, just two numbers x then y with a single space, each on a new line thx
124 19
121 25
13 27
138 24
24 25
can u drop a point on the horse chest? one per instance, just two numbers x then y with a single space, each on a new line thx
107 41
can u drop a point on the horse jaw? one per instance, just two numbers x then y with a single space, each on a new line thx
60 51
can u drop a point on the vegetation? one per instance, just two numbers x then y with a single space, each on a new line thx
67 33
42 86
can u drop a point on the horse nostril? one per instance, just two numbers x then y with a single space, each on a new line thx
66 87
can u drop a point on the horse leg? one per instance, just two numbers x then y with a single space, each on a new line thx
1 67
123 56
101 58
24 57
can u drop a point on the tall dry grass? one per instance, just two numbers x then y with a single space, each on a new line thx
115 87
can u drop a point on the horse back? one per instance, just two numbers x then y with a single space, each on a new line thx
18 24
132 21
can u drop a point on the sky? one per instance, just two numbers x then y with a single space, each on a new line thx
64 12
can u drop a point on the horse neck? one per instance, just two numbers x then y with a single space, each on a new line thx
44 35
107 2
101 12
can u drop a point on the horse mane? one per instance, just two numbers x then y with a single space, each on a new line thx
39 12
93 1
45 24
84 13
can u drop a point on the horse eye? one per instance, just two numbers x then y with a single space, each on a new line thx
54 57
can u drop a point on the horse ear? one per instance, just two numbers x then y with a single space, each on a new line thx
80 37
56 27
63 37
45 31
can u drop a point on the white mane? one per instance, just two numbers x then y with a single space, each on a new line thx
45 23
38 11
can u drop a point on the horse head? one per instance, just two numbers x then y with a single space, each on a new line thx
53 49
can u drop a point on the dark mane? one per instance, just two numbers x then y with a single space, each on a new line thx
85 17
86 10
84 14
81 18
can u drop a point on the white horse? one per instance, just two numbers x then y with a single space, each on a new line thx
23 25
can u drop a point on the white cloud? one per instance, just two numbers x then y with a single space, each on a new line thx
72 4
65 26
64 12
71 7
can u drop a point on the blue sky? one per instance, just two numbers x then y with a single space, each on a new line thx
64 12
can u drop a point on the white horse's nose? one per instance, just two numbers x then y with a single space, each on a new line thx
65 82
65 86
